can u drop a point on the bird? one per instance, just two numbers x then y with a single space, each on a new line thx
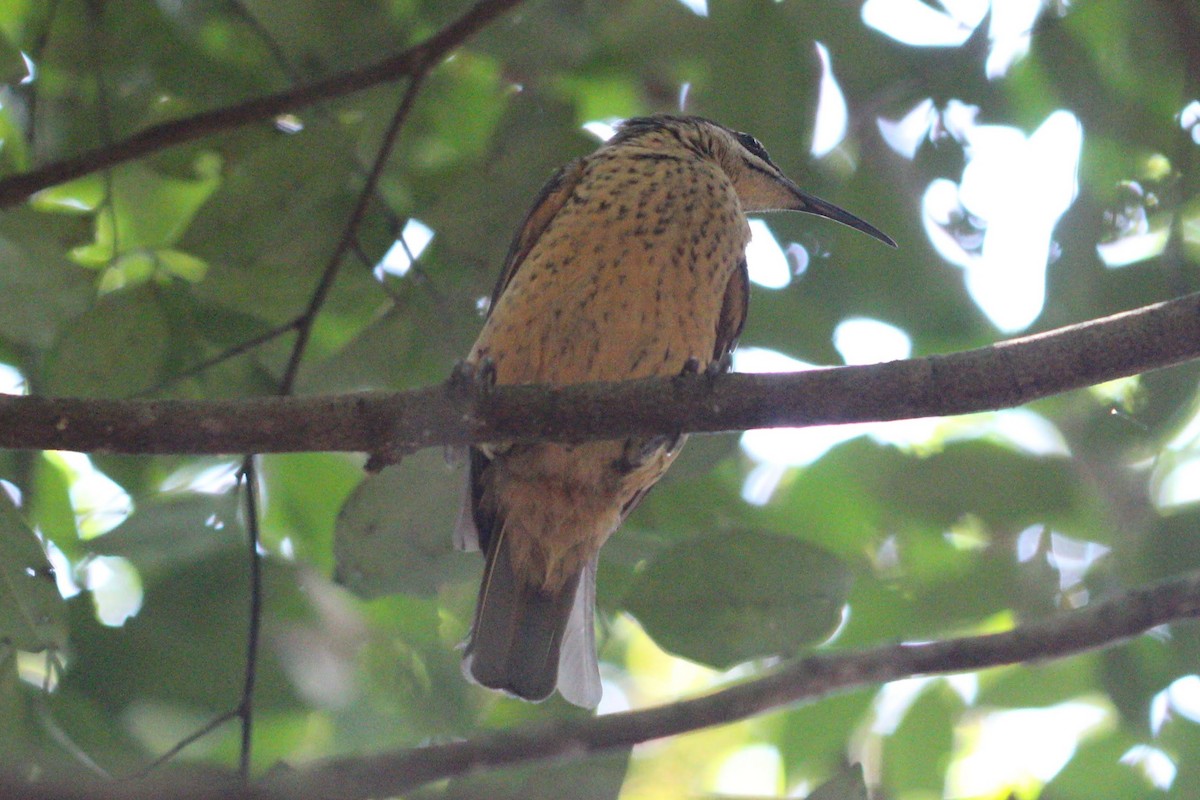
630 264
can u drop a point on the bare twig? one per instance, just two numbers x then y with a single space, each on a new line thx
303 325
249 478
413 61
184 743
349 234
999 376
220 358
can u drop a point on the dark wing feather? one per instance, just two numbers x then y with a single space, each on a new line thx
729 327
733 315
549 202
546 205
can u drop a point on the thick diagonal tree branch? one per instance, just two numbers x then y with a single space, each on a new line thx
410 62
1103 623
998 376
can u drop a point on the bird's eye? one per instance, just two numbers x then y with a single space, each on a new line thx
754 146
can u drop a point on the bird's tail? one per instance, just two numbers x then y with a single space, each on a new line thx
527 641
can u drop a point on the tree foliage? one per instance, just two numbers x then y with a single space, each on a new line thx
248 183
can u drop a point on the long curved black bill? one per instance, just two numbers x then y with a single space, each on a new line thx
815 205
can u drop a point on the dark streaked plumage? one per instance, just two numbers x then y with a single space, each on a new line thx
630 264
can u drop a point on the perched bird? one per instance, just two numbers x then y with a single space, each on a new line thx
631 263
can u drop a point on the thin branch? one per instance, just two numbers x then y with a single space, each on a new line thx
1100 624
349 233
998 376
413 61
50 724
183 744
303 325
227 354
245 711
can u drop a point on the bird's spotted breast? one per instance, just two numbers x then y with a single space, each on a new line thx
627 282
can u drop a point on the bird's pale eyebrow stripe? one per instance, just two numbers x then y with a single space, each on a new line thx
757 168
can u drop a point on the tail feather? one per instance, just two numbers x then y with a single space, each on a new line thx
578 672
517 638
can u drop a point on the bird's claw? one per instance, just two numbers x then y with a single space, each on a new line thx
719 366
469 379
711 370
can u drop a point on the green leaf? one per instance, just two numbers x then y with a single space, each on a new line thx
812 737
1134 673
916 756
12 742
1096 770
186 646
394 534
593 778
13 16
32 612
1041 685
846 785
293 511
725 598
182 265
48 507
13 151
274 221
113 350
131 269
169 531
141 210
80 196
39 288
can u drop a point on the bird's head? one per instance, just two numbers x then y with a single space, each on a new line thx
759 183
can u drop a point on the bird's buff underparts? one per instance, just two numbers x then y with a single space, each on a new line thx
631 264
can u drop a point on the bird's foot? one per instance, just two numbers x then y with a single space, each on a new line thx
719 366
469 380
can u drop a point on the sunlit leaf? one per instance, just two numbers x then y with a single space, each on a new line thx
297 519
131 269
80 196
182 265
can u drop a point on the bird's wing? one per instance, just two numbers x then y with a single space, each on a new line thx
733 315
549 202
729 328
